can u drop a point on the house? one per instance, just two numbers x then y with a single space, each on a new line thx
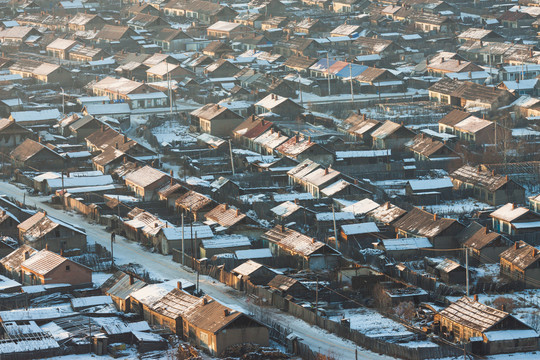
187 239
254 272
60 48
224 29
489 330
484 246
84 126
446 124
391 136
11 263
221 69
288 212
301 251
147 22
425 148
8 229
278 105
227 217
196 204
487 186
403 249
517 222
216 119
521 264
46 267
384 215
429 191
515 19
479 35
34 155
441 232
251 128
534 203
287 286
119 287
146 182
32 118
168 311
301 148
451 272
42 72
359 234
476 130
87 54
345 30
205 11
86 22
114 35
215 327
12 135
120 89
222 244
43 231
18 34
433 24
466 94
359 128
167 72
171 39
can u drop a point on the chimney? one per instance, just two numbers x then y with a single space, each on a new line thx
226 312
475 297
47 246
364 117
534 252
326 171
459 62
282 228
513 206
225 206
296 201
179 285
62 252
503 307
387 205
131 279
237 212
435 217
481 43
493 172
516 245
39 139
171 175
486 230
116 145
309 139
26 255
125 139
506 177
205 301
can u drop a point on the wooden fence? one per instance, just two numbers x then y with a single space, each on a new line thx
261 296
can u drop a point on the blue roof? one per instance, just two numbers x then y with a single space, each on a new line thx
354 69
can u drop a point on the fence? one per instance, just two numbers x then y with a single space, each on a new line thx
264 297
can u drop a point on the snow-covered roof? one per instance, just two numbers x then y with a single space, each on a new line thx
199 232
361 228
406 243
226 241
339 216
430 184
362 207
253 254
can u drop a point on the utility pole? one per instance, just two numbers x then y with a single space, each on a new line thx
63 102
335 228
317 297
232 159
350 78
183 253
113 239
467 269
63 192
328 72
300 88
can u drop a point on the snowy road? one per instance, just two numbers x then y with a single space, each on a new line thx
162 267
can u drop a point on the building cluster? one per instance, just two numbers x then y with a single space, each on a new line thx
334 154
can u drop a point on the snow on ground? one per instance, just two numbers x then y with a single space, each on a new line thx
373 324
456 208
171 132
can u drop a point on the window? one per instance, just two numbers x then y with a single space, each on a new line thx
68 268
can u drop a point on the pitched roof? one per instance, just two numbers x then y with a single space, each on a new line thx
14 259
212 316
193 200
28 149
225 215
43 262
473 314
478 177
146 176
296 242
454 117
521 255
481 238
509 212
423 223
175 304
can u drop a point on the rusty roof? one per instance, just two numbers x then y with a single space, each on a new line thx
425 145
193 201
175 303
477 177
28 149
120 286
282 282
43 262
225 215
212 316
13 260
454 117
521 255
296 242
481 238
472 314
423 223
